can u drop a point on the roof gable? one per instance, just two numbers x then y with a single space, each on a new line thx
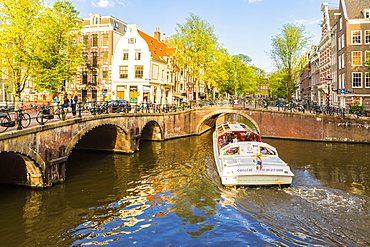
158 50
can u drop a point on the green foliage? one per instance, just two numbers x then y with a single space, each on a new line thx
18 29
58 55
38 43
196 47
287 51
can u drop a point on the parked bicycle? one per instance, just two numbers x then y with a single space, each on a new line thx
23 119
47 114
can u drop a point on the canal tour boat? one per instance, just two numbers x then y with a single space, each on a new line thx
242 159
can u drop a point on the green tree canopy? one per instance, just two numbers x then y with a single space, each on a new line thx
38 43
287 51
57 55
196 48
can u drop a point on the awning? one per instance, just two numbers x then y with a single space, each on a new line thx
178 95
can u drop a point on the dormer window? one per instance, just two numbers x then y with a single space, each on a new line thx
366 13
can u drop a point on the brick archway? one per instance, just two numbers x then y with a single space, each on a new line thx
218 112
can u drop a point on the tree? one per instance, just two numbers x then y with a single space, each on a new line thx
18 29
38 44
57 55
196 47
287 50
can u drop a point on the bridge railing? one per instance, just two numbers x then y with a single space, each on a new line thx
28 114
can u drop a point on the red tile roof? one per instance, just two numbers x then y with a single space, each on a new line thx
157 49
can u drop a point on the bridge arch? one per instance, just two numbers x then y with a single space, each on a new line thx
218 112
108 134
151 130
18 168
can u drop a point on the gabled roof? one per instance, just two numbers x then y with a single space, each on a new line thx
158 50
354 8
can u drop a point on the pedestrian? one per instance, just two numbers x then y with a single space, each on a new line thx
74 104
65 106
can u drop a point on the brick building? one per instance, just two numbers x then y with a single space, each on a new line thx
100 35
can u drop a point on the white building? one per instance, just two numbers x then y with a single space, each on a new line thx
141 69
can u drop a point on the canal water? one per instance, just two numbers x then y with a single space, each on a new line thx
168 194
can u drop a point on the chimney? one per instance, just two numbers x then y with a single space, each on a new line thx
157 34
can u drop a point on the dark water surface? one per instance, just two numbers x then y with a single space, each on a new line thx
168 194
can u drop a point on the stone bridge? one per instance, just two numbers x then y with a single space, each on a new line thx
37 156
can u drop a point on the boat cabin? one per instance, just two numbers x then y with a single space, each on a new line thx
231 132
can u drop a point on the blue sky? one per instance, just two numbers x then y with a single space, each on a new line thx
242 26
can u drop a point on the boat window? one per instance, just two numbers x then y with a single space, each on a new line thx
232 151
266 151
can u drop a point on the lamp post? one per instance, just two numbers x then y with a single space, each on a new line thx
328 82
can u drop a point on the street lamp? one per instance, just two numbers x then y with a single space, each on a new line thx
328 82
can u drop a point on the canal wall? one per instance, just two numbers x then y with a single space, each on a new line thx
289 125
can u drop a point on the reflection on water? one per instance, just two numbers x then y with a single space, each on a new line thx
168 194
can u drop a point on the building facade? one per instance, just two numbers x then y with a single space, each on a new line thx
141 68
353 37
100 35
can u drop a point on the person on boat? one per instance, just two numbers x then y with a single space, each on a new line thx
235 139
259 162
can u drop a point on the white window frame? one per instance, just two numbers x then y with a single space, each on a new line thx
343 61
340 23
359 58
367 80
367 37
131 41
357 77
356 35
138 54
339 43
343 41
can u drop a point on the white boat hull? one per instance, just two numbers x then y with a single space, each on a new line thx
242 169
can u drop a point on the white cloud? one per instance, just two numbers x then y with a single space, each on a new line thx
252 1
103 3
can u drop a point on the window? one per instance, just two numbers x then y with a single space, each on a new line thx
356 79
340 23
95 59
105 75
356 37
367 55
132 40
116 25
137 54
105 39
339 43
356 58
84 78
125 55
139 71
367 37
123 72
155 71
339 62
105 57
85 40
94 81
342 40
85 58
94 40
366 13
342 61
367 80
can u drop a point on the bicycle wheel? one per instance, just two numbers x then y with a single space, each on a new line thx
38 117
25 119
4 120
